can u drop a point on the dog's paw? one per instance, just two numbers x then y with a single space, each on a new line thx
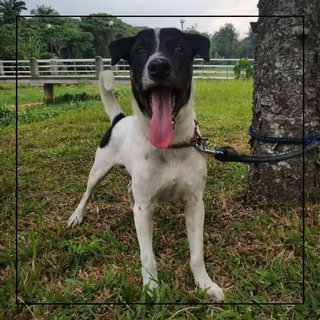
216 291
74 219
151 287
213 290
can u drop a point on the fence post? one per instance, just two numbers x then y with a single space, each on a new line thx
1 69
98 65
34 68
54 67
48 92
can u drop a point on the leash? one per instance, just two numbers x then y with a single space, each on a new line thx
283 140
228 154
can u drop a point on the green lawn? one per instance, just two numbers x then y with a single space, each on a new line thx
254 253
34 94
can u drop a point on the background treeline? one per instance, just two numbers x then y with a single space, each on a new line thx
48 35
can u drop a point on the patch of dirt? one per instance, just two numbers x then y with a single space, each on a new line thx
25 106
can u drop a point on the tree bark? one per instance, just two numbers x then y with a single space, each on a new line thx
278 98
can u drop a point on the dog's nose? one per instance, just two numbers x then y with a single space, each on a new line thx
159 68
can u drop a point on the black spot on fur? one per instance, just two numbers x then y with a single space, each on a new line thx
106 138
117 118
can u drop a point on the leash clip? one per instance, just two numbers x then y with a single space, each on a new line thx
202 146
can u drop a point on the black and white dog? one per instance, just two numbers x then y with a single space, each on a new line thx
161 76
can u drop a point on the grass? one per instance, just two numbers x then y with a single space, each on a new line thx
255 253
34 94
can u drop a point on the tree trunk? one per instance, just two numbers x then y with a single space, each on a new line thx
278 98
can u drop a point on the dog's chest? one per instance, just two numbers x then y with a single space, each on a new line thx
173 188
171 176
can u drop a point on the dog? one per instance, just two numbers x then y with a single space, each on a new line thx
153 144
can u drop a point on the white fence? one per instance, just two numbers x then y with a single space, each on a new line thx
78 69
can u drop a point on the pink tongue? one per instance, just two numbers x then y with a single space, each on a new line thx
161 131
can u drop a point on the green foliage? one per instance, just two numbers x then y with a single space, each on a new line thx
43 10
225 43
7 115
75 97
8 41
61 37
31 46
48 35
9 9
243 69
106 29
247 46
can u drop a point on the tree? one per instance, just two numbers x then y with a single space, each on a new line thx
247 46
8 42
225 42
67 40
53 36
9 9
193 29
104 32
32 46
78 44
44 11
278 98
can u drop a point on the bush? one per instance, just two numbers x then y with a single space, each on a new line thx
243 69
75 97
7 115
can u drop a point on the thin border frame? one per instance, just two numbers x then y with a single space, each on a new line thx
166 303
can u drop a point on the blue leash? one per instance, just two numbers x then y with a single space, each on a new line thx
228 154
308 140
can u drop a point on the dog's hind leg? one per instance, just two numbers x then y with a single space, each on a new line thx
194 215
130 195
102 165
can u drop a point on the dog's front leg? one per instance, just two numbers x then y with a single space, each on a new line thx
102 165
194 215
143 223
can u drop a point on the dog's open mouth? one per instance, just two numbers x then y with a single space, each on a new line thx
162 102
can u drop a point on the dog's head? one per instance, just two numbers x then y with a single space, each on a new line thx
161 74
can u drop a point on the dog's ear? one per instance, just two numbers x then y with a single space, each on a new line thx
120 49
199 44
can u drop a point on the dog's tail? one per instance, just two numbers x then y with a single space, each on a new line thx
106 85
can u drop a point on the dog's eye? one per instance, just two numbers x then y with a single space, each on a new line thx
179 49
140 52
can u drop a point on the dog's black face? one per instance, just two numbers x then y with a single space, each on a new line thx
161 73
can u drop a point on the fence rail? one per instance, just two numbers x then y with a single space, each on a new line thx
68 71
64 69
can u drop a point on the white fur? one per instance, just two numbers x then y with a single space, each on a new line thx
157 176
106 84
157 37
146 80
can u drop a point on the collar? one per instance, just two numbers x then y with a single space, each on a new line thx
196 139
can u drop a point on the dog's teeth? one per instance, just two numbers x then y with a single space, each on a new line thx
173 120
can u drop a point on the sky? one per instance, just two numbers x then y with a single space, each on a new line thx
162 7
